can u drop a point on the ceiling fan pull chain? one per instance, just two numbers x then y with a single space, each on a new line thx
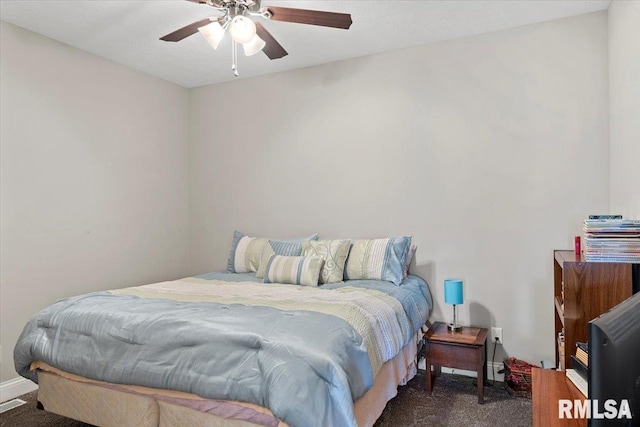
234 57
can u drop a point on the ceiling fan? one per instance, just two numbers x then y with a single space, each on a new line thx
238 17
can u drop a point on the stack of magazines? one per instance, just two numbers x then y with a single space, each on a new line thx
612 240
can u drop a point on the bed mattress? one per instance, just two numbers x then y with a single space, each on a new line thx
228 338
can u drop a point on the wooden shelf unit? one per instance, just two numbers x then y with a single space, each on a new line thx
590 289
549 387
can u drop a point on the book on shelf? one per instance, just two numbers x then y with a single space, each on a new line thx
561 366
582 353
577 379
579 367
584 359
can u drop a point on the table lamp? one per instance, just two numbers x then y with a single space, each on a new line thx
453 295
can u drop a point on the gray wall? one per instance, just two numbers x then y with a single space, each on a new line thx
489 150
94 181
624 105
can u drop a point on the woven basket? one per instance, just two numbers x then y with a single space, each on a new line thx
517 376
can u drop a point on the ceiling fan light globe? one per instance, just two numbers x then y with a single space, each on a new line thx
242 29
254 46
214 33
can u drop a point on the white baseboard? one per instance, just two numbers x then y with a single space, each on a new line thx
16 387
490 366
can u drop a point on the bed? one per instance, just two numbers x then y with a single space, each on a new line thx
224 349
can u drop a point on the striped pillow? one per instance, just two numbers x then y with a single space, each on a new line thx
246 252
378 259
295 270
277 247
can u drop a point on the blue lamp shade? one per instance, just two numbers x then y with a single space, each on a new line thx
453 291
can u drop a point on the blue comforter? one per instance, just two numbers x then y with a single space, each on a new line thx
305 364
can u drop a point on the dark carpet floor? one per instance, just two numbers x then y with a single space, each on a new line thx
453 404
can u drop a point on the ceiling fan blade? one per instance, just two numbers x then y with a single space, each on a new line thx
272 48
185 32
312 17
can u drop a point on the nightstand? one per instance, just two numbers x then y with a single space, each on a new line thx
466 349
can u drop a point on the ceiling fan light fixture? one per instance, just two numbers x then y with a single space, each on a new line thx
242 29
214 33
237 17
254 46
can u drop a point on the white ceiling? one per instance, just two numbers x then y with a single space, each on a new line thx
127 32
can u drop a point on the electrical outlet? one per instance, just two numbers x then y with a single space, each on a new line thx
496 333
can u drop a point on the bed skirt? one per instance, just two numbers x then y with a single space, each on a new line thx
103 404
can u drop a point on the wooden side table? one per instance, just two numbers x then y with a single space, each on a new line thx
465 349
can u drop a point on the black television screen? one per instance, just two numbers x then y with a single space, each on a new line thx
614 365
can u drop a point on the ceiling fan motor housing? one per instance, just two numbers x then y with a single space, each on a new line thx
237 7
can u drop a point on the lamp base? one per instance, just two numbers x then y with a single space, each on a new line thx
454 328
